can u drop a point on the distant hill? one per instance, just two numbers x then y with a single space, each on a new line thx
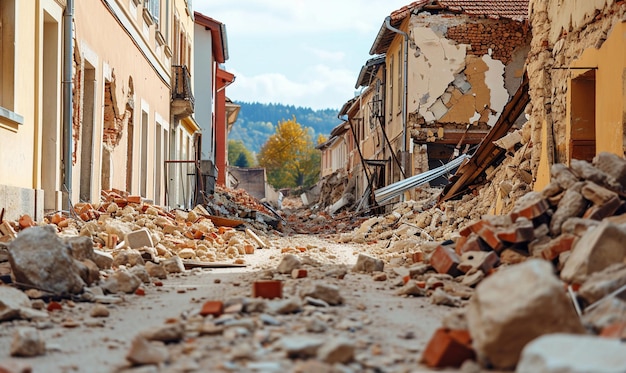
257 122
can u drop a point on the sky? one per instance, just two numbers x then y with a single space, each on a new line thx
298 52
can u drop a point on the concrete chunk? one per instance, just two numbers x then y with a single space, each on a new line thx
516 305
563 353
597 249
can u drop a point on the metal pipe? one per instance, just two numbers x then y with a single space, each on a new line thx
68 50
405 142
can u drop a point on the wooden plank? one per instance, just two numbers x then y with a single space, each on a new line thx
190 264
225 222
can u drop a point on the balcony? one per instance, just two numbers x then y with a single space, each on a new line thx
182 97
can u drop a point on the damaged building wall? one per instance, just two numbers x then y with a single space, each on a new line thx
575 44
457 71
124 102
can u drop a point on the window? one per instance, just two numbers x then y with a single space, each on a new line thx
400 72
154 8
7 53
391 71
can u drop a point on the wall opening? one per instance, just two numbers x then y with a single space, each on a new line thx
50 119
583 117
158 163
86 136
143 181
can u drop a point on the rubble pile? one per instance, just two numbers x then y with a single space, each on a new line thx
575 228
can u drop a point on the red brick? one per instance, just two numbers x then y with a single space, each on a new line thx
445 260
299 273
534 209
133 199
26 221
53 306
212 307
557 246
489 234
470 243
481 260
615 330
521 231
599 212
267 289
448 348
417 256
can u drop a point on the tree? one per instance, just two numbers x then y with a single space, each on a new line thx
289 158
237 149
242 161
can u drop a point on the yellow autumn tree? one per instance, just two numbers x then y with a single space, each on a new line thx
289 157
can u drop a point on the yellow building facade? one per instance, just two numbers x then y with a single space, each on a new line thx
122 119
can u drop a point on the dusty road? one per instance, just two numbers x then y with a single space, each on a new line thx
384 332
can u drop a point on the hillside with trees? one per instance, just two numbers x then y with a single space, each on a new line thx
257 122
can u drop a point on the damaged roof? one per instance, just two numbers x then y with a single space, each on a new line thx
511 9
369 70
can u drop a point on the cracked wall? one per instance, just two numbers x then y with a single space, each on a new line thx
564 31
460 69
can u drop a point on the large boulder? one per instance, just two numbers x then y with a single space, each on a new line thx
516 305
41 259
562 353
596 250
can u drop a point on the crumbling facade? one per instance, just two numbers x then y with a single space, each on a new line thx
442 74
576 71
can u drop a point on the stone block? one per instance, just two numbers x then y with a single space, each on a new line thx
288 263
448 348
268 289
573 204
367 264
516 305
563 353
513 256
603 283
138 239
613 165
596 250
563 176
445 260
478 260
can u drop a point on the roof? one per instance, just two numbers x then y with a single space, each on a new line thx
369 70
218 35
511 9
496 9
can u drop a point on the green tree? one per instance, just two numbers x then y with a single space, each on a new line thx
242 161
289 157
237 149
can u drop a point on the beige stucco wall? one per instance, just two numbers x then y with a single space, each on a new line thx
21 144
118 60
593 38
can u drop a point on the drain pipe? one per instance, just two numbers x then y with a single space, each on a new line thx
405 145
68 49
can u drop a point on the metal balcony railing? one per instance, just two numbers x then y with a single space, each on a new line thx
182 96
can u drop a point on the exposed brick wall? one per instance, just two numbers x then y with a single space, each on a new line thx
502 36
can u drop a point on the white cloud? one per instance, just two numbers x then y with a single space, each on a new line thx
298 52
300 16
319 90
